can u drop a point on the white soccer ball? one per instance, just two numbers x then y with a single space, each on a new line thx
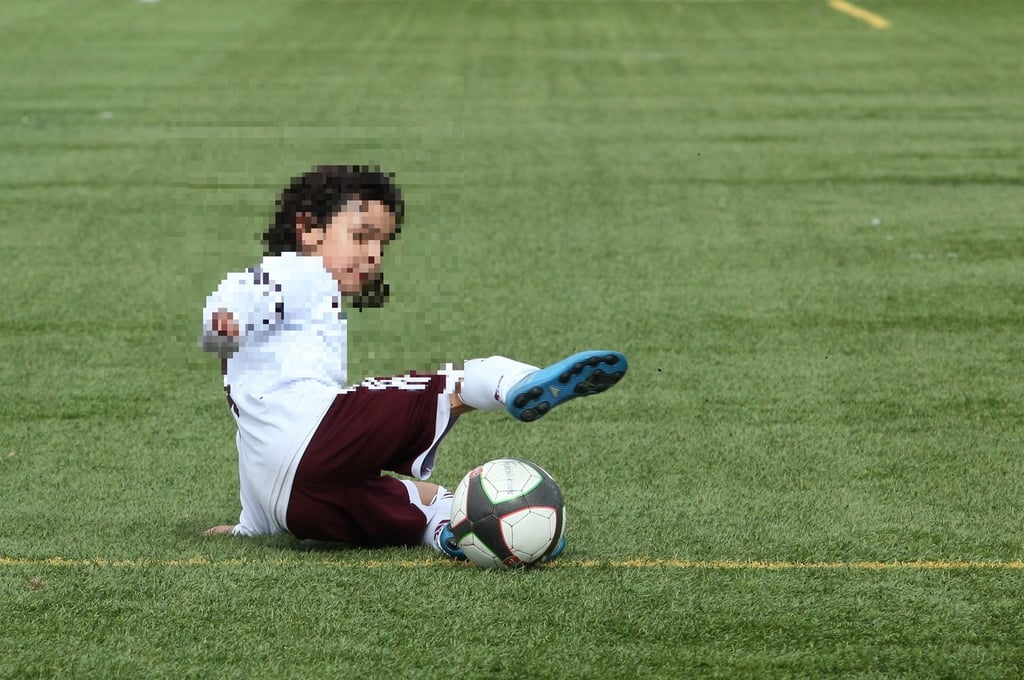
507 513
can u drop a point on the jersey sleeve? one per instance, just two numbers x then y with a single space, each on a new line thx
245 527
254 300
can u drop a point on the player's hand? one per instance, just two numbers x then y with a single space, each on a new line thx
224 323
222 529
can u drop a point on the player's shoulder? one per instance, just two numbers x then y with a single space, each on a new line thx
276 271
291 267
295 277
277 265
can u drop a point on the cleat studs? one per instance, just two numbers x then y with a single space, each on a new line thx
528 415
593 361
543 407
564 378
611 359
577 367
580 389
527 396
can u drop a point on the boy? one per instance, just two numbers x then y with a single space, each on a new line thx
311 449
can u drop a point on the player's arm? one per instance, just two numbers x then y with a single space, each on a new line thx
244 303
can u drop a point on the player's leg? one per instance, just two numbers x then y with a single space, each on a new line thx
381 515
373 511
393 424
427 491
438 511
437 504
458 407
529 392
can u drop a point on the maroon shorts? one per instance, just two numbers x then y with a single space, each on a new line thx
339 493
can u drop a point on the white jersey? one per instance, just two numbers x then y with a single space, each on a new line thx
281 374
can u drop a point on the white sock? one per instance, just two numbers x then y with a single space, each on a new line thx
439 514
486 382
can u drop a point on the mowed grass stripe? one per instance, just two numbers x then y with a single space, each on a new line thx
801 229
638 563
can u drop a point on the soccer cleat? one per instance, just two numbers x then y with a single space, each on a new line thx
580 375
447 543
557 551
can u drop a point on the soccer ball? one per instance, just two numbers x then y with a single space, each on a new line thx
507 513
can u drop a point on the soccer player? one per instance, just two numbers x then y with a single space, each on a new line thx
311 447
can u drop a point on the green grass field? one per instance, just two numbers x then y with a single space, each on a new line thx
804 231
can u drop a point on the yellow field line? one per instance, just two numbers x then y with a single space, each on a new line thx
639 563
872 19
781 566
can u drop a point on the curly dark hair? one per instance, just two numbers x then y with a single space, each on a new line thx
321 193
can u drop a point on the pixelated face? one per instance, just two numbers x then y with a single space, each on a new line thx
352 243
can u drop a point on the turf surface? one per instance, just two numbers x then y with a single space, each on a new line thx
803 231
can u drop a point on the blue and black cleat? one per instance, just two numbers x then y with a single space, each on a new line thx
449 546
557 551
580 375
